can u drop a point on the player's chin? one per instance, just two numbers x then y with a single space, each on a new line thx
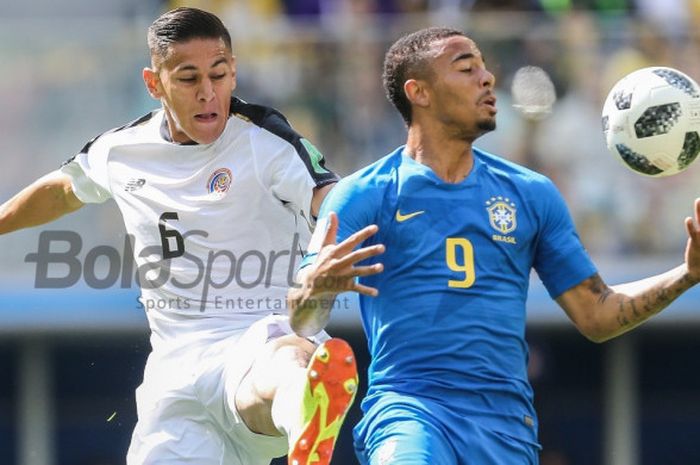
487 124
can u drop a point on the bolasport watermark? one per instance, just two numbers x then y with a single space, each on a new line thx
208 281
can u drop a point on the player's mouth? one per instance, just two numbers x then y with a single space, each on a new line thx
490 101
206 117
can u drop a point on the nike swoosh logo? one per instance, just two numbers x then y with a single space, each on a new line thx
401 218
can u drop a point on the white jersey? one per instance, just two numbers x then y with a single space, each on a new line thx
217 229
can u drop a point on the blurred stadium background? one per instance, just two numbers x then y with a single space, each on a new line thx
70 359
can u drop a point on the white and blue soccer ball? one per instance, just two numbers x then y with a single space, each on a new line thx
651 121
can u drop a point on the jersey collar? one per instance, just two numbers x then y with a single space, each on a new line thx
469 181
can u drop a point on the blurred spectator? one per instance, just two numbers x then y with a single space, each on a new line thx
310 8
672 16
601 6
416 6
262 8
302 7
505 5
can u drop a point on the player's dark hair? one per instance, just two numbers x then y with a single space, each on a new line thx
408 59
181 25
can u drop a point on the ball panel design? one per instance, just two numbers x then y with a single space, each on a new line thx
677 80
637 161
623 99
691 148
657 120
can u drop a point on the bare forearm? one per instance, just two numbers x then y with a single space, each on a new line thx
601 312
308 314
45 200
637 301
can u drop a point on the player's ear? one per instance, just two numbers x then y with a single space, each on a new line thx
152 82
416 92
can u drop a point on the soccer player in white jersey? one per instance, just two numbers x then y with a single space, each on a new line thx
211 187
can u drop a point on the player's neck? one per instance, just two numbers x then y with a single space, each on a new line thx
451 159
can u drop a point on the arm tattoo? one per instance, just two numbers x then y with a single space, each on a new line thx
621 317
598 287
651 302
605 312
633 307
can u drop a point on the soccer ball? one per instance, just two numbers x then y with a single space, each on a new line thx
651 121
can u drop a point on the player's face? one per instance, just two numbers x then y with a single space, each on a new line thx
461 88
194 84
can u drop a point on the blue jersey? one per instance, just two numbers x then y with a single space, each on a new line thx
448 326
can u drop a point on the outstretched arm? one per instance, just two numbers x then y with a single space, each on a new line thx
601 312
333 272
45 200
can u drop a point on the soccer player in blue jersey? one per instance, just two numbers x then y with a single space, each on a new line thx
443 236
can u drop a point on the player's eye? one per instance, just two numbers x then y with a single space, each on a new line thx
218 76
187 79
466 70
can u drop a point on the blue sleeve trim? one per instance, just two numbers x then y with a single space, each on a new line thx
307 260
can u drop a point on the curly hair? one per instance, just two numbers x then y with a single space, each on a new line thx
407 59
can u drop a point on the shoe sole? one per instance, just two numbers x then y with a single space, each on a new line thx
330 389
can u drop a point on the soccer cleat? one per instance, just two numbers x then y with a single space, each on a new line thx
329 392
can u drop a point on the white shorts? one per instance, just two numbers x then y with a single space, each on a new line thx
186 413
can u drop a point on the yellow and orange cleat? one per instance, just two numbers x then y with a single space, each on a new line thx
330 390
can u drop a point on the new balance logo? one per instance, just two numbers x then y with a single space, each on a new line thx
401 218
134 184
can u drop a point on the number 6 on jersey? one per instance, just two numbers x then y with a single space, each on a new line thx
167 234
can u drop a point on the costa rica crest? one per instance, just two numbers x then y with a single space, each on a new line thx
219 181
502 214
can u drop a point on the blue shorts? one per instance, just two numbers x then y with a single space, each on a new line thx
402 434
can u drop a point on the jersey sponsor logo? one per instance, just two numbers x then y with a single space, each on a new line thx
501 215
134 184
219 181
401 218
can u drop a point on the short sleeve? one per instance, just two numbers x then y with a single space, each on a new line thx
88 173
561 261
300 175
297 166
357 206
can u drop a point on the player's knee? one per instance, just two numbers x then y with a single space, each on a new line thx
290 351
278 362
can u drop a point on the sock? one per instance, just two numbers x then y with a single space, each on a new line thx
287 406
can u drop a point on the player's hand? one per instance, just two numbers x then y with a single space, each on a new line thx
335 268
692 250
